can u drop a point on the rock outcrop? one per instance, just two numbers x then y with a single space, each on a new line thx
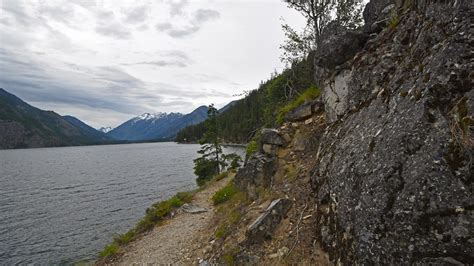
262 228
393 177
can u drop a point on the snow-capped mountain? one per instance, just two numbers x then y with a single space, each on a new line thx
157 126
105 129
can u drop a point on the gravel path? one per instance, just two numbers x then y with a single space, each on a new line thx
181 240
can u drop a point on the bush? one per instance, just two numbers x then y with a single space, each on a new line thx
109 250
205 169
224 194
251 148
309 94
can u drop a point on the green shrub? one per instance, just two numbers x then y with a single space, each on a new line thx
309 94
125 238
205 169
394 19
251 148
224 194
109 250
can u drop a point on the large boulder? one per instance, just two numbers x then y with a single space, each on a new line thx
304 111
337 46
393 177
262 228
258 172
271 136
375 14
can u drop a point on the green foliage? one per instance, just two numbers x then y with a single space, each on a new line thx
251 148
109 250
154 215
212 159
394 19
233 159
225 227
309 94
205 169
224 194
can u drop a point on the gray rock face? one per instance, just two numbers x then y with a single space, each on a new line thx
338 45
375 13
304 111
271 136
335 92
300 113
262 228
258 172
393 177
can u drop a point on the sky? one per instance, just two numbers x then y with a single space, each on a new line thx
105 62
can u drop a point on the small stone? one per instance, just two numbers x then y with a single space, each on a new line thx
308 121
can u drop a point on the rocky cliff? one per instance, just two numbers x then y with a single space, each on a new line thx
390 157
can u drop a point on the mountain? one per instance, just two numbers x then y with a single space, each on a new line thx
105 129
90 131
25 126
159 126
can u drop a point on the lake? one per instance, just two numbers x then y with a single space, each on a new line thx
63 205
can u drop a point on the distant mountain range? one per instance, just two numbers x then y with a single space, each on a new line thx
25 126
159 126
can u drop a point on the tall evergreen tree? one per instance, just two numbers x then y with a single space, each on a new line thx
211 160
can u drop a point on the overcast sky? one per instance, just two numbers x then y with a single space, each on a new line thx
107 61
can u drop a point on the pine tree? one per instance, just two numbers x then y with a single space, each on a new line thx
211 160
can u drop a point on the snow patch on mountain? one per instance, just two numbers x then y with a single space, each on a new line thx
105 129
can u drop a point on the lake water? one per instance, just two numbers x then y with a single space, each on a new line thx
63 205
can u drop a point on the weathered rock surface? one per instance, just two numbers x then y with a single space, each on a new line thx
271 136
335 95
258 172
300 113
375 13
191 208
394 174
304 111
338 45
262 228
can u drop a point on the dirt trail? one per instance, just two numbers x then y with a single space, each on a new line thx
180 240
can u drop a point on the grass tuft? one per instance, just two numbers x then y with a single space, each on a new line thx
309 94
224 194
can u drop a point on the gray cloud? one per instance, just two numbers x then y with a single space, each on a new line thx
176 7
199 17
114 30
161 63
137 15
203 15
163 26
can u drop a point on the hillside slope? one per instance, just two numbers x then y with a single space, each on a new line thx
25 126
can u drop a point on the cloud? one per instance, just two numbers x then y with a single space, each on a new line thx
203 15
114 30
198 18
137 15
161 63
176 7
163 26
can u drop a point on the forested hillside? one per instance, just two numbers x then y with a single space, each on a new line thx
239 123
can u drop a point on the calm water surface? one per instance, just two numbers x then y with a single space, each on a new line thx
62 205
